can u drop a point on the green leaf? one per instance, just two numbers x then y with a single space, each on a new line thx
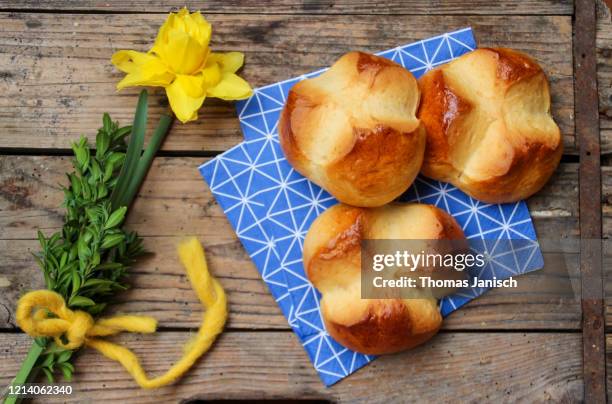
38 261
75 184
80 301
73 252
81 152
84 250
109 265
52 261
54 238
96 172
76 282
63 356
49 375
102 143
116 158
121 133
47 362
102 190
64 259
41 341
95 259
42 240
85 190
97 281
53 348
92 214
115 218
109 168
66 372
107 122
97 308
112 240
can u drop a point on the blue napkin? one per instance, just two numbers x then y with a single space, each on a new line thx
271 207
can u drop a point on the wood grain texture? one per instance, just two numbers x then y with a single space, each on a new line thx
546 299
591 270
56 77
30 197
606 189
507 367
604 78
394 7
609 365
604 83
159 286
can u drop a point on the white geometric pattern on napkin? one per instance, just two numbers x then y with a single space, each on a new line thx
271 207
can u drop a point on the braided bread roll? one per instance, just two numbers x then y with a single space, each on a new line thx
489 128
332 261
353 130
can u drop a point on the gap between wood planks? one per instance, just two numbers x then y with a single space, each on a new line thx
210 12
302 7
8 151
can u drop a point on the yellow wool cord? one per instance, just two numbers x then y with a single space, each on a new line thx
78 327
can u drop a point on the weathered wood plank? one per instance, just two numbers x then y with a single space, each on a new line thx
509 367
56 77
606 185
159 287
591 270
609 365
549 7
174 200
30 197
604 75
606 197
543 300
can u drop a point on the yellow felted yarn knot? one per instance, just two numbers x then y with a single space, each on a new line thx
78 328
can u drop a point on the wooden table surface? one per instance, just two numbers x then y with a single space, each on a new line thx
56 80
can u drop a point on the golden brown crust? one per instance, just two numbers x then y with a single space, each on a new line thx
286 136
343 241
440 111
378 156
386 327
513 65
332 260
449 228
353 130
488 124
366 61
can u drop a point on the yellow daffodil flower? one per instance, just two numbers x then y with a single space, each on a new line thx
182 63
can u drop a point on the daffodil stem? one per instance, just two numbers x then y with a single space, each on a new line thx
137 163
139 174
26 371
132 155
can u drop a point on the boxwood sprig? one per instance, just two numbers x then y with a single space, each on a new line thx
86 262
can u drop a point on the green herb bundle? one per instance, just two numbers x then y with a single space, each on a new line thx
86 262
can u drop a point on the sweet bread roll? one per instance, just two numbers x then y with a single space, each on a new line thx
488 123
353 130
332 261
